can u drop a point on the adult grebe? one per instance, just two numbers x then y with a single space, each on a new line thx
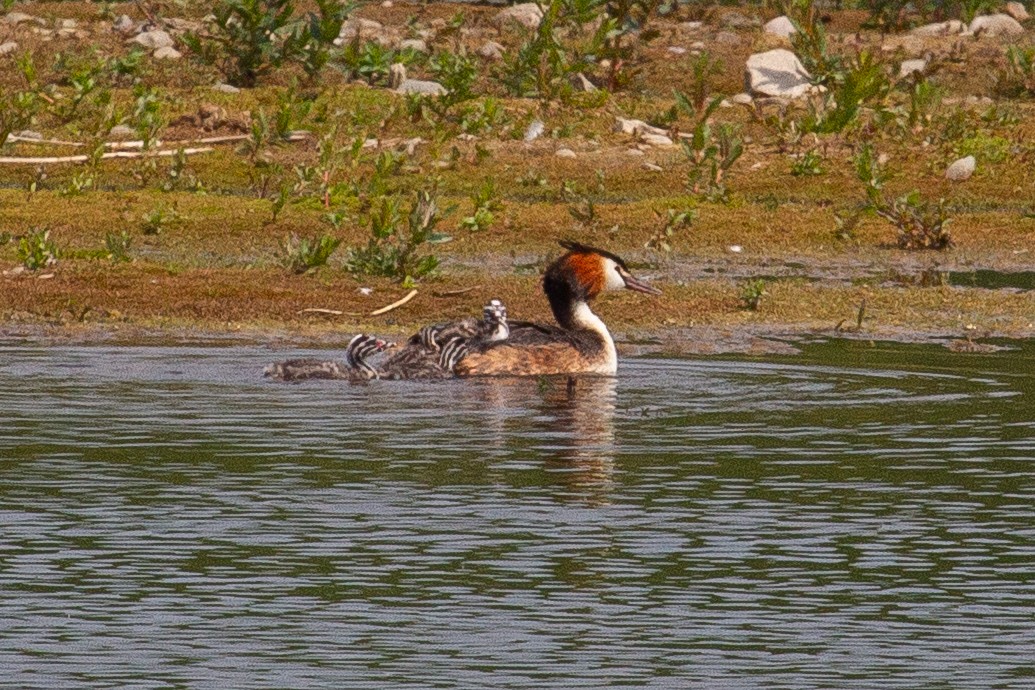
582 343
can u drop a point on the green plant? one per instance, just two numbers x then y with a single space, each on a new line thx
623 31
19 107
752 292
117 246
248 38
984 147
807 164
306 254
845 224
1017 78
925 99
485 206
369 61
483 116
711 153
674 220
543 66
396 251
861 82
456 72
158 219
920 224
36 250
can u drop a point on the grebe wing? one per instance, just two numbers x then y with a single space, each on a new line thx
531 349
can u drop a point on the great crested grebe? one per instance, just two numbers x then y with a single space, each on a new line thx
581 344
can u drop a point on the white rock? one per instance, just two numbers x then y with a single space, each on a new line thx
67 24
653 167
564 153
777 72
909 66
122 131
742 99
656 139
15 18
634 152
225 88
8 47
527 14
428 88
636 127
167 53
28 134
677 50
781 26
949 28
691 26
727 38
996 25
491 50
698 45
361 28
580 83
153 40
534 130
1017 11
414 44
961 169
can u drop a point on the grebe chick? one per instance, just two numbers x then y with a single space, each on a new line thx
581 344
434 350
355 367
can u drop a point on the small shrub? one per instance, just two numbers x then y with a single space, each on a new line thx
369 61
456 72
18 108
1017 78
485 206
711 154
920 224
675 220
306 254
36 250
247 39
158 219
807 164
863 82
751 294
117 246
984 147
394 250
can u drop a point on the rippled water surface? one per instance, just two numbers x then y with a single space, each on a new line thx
859 516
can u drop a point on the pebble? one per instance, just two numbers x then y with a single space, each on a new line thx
961 169
565 153
8 47
167 53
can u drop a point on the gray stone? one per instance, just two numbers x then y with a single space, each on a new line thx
154 40
122 132
961 169
777 72
527 14
735 20
360 28
225 88
28 134
428 88
996 25
727 38
781 26
952 27
742 99
414 44
491 50
396 75
677 50
564 153
167 53
124 25
1017 11
636 127
691 26
8 47
909 66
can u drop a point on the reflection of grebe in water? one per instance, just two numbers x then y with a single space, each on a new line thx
579 344
573 431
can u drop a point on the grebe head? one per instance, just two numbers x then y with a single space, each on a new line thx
587 271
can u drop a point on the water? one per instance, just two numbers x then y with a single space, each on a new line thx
856 516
